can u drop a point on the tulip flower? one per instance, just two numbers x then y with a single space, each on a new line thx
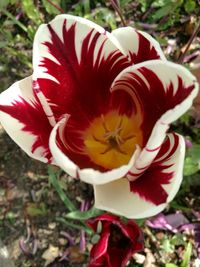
99 105
118 241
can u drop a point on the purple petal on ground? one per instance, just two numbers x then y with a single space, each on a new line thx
82 241
68 237
23 247
159 222
64 255
82 208
87 205
167 222
190 226
176 220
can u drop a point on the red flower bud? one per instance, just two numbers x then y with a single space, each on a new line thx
118 241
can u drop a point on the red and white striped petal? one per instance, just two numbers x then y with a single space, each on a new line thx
75 61
139 46
164 91
87 175
135 200
23 118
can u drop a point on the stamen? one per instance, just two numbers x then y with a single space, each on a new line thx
121 151
110 148
112 138
106 150
99 140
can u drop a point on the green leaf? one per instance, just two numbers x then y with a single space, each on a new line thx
167 9
3 4
35 209
194 152
167 246
161 3
187 255
171 265
124 3
178 240
31 32
14 20
84 215
50 8
53 177
162 12
103 16
140 222
3 44
185 118
190 6
190 167
86 6
145 4
31 11
75 226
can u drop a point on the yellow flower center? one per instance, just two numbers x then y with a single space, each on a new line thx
110 139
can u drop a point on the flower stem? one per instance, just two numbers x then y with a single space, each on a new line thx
195 33
53 177
119 12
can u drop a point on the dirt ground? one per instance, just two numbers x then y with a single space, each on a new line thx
28 207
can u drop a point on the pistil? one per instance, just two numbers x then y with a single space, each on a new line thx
112 138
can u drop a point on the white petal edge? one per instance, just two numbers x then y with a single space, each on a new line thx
13 127
178 160
116 197
166 71
87 175
129 41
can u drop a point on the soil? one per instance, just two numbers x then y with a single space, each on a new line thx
29 206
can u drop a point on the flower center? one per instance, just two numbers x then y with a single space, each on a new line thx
117 238
111 138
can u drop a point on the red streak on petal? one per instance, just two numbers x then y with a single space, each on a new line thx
83 85
165 149
149 185
153 97
34 122
145 51
152 150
